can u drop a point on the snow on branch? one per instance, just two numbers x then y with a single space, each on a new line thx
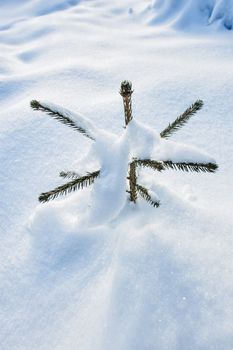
66 117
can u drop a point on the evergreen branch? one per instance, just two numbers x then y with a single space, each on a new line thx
71 186
182 119
60 117
145 195
148 163
194 167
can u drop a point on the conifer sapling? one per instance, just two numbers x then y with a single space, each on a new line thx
83 126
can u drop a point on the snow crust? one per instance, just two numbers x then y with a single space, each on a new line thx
90 270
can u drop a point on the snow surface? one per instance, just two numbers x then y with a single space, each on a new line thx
191 14
91 271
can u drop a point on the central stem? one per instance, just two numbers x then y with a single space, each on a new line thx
126 92
132 182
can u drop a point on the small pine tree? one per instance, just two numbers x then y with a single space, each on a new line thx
135 189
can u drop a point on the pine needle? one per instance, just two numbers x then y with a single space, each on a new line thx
69 174
193 167
145 195
182 119
71 186
148 163
60 117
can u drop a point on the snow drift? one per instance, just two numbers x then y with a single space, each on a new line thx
190 14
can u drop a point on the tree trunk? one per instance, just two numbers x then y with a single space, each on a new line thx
126 92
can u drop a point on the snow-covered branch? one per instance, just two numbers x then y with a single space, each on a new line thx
74 121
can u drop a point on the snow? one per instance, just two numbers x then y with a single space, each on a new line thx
191 14
108 196
81 121
178 152
90 270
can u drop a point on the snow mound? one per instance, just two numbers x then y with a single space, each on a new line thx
32 8
190 14
139 282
